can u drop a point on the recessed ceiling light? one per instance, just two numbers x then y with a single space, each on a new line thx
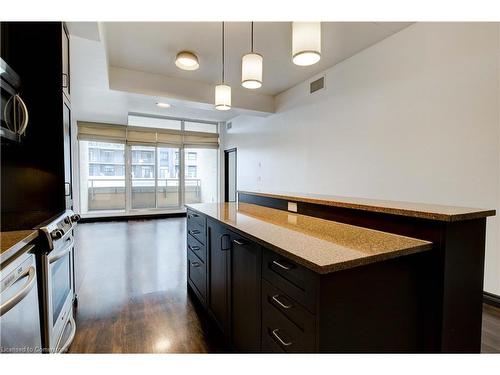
186 60
163 105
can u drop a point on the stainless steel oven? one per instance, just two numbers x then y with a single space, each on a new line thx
58 283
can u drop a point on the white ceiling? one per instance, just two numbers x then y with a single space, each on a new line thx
123 67
152 46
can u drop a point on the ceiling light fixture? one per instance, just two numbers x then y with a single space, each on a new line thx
223 91
163 105
306 43
251 68
187 60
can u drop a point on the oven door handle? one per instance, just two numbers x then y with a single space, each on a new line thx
71 337
15 299
62 253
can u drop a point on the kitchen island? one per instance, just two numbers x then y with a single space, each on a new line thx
279 281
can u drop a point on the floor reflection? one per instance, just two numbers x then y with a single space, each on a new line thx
131 285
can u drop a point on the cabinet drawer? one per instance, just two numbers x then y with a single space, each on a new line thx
296 281
197 247
273 298
196 219
196 231
197 274
279 333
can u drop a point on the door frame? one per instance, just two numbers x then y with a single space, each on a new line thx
226 172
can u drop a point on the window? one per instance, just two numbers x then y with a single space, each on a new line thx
191 171
143 177
168 189
200 184
140 169
202 127
154 122
102 185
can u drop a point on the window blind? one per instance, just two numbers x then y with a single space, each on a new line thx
92 131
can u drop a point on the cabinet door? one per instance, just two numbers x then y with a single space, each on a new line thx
245 294
218 284
65 63
67 155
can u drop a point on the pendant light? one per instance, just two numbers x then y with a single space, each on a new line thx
223 91
251 68
306 43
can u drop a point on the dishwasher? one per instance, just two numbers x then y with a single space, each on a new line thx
19 309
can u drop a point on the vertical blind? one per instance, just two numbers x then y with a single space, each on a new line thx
92 131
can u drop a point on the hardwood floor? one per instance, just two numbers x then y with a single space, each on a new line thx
490 339
132 295
131 286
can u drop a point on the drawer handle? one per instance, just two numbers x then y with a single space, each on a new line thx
194 248
283 266
275 334
196 231
193 215
195 264
275 298
239 242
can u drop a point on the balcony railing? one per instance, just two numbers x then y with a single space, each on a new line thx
109 193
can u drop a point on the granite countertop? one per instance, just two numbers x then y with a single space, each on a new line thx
13 241
320 245
419 210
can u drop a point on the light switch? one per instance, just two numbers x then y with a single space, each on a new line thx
292 206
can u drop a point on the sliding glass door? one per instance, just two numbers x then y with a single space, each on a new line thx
102 176
143 177
168 187
200 175
141 168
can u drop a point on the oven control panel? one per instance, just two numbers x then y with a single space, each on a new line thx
59 227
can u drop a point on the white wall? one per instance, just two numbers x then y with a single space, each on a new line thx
414 117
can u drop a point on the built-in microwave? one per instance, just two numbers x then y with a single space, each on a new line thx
14 114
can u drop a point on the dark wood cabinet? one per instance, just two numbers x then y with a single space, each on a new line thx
263 301
66 79
36 172
68 182
219 250
245 294
233 295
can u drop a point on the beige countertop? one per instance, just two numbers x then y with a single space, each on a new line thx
419 210
13 241
320 245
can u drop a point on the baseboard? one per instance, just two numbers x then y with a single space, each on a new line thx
132 217
491 299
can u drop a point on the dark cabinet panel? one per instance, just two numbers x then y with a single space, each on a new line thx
67 155
245 294
197 247
218 280
197 274
34 172
66 81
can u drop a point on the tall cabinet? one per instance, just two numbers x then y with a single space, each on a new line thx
36 172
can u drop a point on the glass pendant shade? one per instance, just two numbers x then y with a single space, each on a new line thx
222 97
251 71
306 43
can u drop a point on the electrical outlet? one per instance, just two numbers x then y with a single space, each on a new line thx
292 206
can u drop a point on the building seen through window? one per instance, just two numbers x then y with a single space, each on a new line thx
122 177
